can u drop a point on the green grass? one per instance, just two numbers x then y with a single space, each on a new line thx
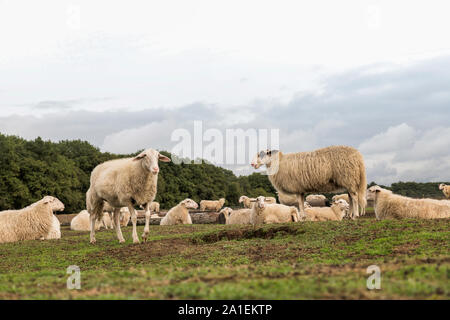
309 260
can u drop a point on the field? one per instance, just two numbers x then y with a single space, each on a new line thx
309 260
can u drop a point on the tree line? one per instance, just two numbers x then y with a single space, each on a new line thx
30 170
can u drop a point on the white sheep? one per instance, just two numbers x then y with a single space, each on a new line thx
325 170
344 196
124 183
55 230
81 222
317 200
263 213
270 200
445 190
212 205
33 222
241 216
337 211
392 206
179 214
246 201
154 206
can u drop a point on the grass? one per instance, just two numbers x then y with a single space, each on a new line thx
309 260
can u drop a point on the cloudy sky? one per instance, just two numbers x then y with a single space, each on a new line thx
125 75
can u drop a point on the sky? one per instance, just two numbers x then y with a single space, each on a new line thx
125 75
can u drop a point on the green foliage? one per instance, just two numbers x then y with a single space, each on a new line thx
31 169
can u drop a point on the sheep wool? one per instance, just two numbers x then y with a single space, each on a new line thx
262 213
336 212
179 214
30 223
445 190
241 216
325 170
392 206
212 205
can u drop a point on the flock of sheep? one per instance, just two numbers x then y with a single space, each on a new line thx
118 186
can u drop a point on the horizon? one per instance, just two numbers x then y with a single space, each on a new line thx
369 77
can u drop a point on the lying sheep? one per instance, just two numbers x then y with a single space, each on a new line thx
248 202
445 190
317 200
154 206
241 216
81 222
31 223
337 211
324 170
212 205
124 183
180 213
55 230
391 206
270 200
342 196
263 213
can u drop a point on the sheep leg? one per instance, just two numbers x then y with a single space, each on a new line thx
134 221
92 219
147 222
116 216
301 206
354 208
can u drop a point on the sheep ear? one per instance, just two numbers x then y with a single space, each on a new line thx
164 158
140 156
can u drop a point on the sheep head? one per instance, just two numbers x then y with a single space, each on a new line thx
226 212
260 204
441 186
54 203
149 160
242 199
265 158
189 204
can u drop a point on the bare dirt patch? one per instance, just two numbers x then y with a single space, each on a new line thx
248 233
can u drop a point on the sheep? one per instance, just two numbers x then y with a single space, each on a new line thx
445 189
179 214
344 196
30 223
154 206
325 170
246 201
241 216
337 211
270 200
124 183
317 200
212 205
263 213
392 206
55 230
81 222
290 200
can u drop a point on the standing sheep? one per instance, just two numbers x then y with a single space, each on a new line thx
246 201
241 216
393 206
124 183
31 223
324 170
263 213
337 211
317 200
212 205
445 190
179 214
